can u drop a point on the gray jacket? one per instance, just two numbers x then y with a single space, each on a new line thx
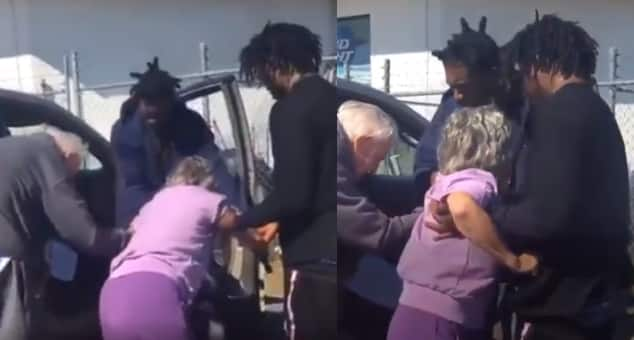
38 201
361 226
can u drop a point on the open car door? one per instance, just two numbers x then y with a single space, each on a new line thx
69 309
232 131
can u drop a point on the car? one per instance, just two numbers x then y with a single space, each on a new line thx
70 308
376 286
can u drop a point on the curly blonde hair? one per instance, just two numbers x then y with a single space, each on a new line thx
475 138
192 170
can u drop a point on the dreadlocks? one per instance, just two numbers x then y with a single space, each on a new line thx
154 83
474 49
282 46
552 44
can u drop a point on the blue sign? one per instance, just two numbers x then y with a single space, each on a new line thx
353 48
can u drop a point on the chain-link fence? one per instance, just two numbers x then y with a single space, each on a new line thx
621 98
402 81
619 94
99 104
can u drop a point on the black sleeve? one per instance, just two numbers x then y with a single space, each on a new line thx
394 195
552 179
362 225
69 215
294 154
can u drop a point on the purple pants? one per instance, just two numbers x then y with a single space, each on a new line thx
414 324
142 306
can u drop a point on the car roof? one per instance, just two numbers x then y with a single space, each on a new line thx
406 118
21 109
209 85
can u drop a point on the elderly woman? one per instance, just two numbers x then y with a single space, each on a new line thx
365 135
38 204
449 284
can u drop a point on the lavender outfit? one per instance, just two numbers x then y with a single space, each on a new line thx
450 283
163 266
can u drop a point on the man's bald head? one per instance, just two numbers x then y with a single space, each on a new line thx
370 131
70 145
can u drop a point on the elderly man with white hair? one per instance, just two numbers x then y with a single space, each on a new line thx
40 207
365 135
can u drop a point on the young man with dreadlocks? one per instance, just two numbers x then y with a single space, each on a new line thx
285 58
572 204
472 65
156 130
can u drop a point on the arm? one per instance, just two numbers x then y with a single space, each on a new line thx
294 154
394 195
361 224
69 215
474 224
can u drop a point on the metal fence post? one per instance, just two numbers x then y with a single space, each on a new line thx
67 85
614 59
386 75
76 88
204 67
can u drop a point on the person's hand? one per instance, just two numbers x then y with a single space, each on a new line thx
229 220
526 264
252 240
442 221
268 231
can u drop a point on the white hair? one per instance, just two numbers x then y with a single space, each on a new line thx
474 138
68 143
193 170
360 119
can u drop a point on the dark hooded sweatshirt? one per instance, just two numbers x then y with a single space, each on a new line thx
571 208
143 171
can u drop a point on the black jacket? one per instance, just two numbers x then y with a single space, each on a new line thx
571 207
304 147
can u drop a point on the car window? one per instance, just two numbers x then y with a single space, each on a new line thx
217 116
400 160
90 161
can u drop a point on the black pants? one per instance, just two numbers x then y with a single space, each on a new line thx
311 305
361 319
621 329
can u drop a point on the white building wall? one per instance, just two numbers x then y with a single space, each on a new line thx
401 26
116 37
405 30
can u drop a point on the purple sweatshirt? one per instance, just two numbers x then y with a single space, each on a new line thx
451 278
172 236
